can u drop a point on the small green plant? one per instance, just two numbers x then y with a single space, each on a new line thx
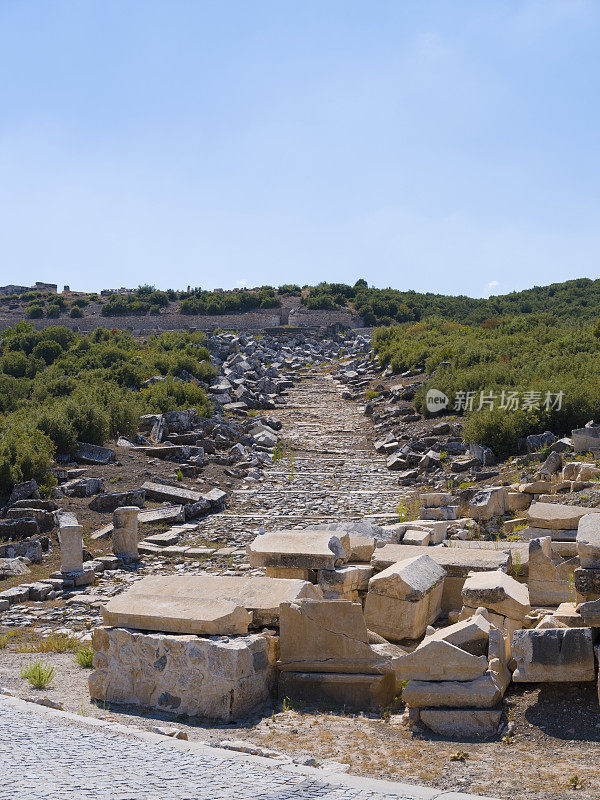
371 394
461 756
55 643
517 566
85 657
39 674
575 782
179 475
6 638
408 509
571 588
278 452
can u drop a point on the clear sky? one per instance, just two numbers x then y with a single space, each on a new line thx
441 146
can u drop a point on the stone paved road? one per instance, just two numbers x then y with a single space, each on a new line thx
51 756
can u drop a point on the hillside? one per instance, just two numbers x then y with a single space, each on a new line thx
575 299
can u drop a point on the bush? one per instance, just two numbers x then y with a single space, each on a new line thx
34 312
25 453
47 350
76 312
53 311
85 657
39 674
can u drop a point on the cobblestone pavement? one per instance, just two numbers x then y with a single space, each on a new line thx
42 756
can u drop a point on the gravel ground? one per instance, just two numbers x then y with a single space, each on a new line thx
556 737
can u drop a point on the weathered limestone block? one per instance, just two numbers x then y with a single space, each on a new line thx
345 580
550 576
553 655
588 541
586 583
497 592
170 494
125 532
410 579
471 635
462 723
458 561
327 636
405 598
517 501
438 660
556 517
438 529
70 538
300 549
435 500
487 503
418 538
483 692
212 677
353 691
204 604
362 537
290 573
440 513
586 439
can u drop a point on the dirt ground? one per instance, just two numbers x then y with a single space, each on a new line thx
553 750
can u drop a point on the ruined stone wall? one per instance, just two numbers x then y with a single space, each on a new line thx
251 320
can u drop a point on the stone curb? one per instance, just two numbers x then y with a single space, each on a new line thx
392 789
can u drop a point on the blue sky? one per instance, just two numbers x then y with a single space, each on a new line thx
441 146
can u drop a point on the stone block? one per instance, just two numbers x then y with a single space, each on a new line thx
553 655
125 532
437 660
586 583
70 538
204 604
462 723
396 619
417 538
327 636
300 549
588 541
170 494
435 500
410 579
483 692
471 635
351 578
556 516
109 501
352 691
487 503
210 677
291 573
550 576
497 592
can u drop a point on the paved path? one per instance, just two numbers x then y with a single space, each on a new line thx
52 755
329 470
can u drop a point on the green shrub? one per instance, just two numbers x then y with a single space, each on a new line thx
25 453
34 312
76 312
53 311
85 657
39 674
47 350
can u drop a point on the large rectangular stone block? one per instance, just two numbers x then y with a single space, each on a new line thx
402 619
219 678
553 655
300 549
204 604
357 692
